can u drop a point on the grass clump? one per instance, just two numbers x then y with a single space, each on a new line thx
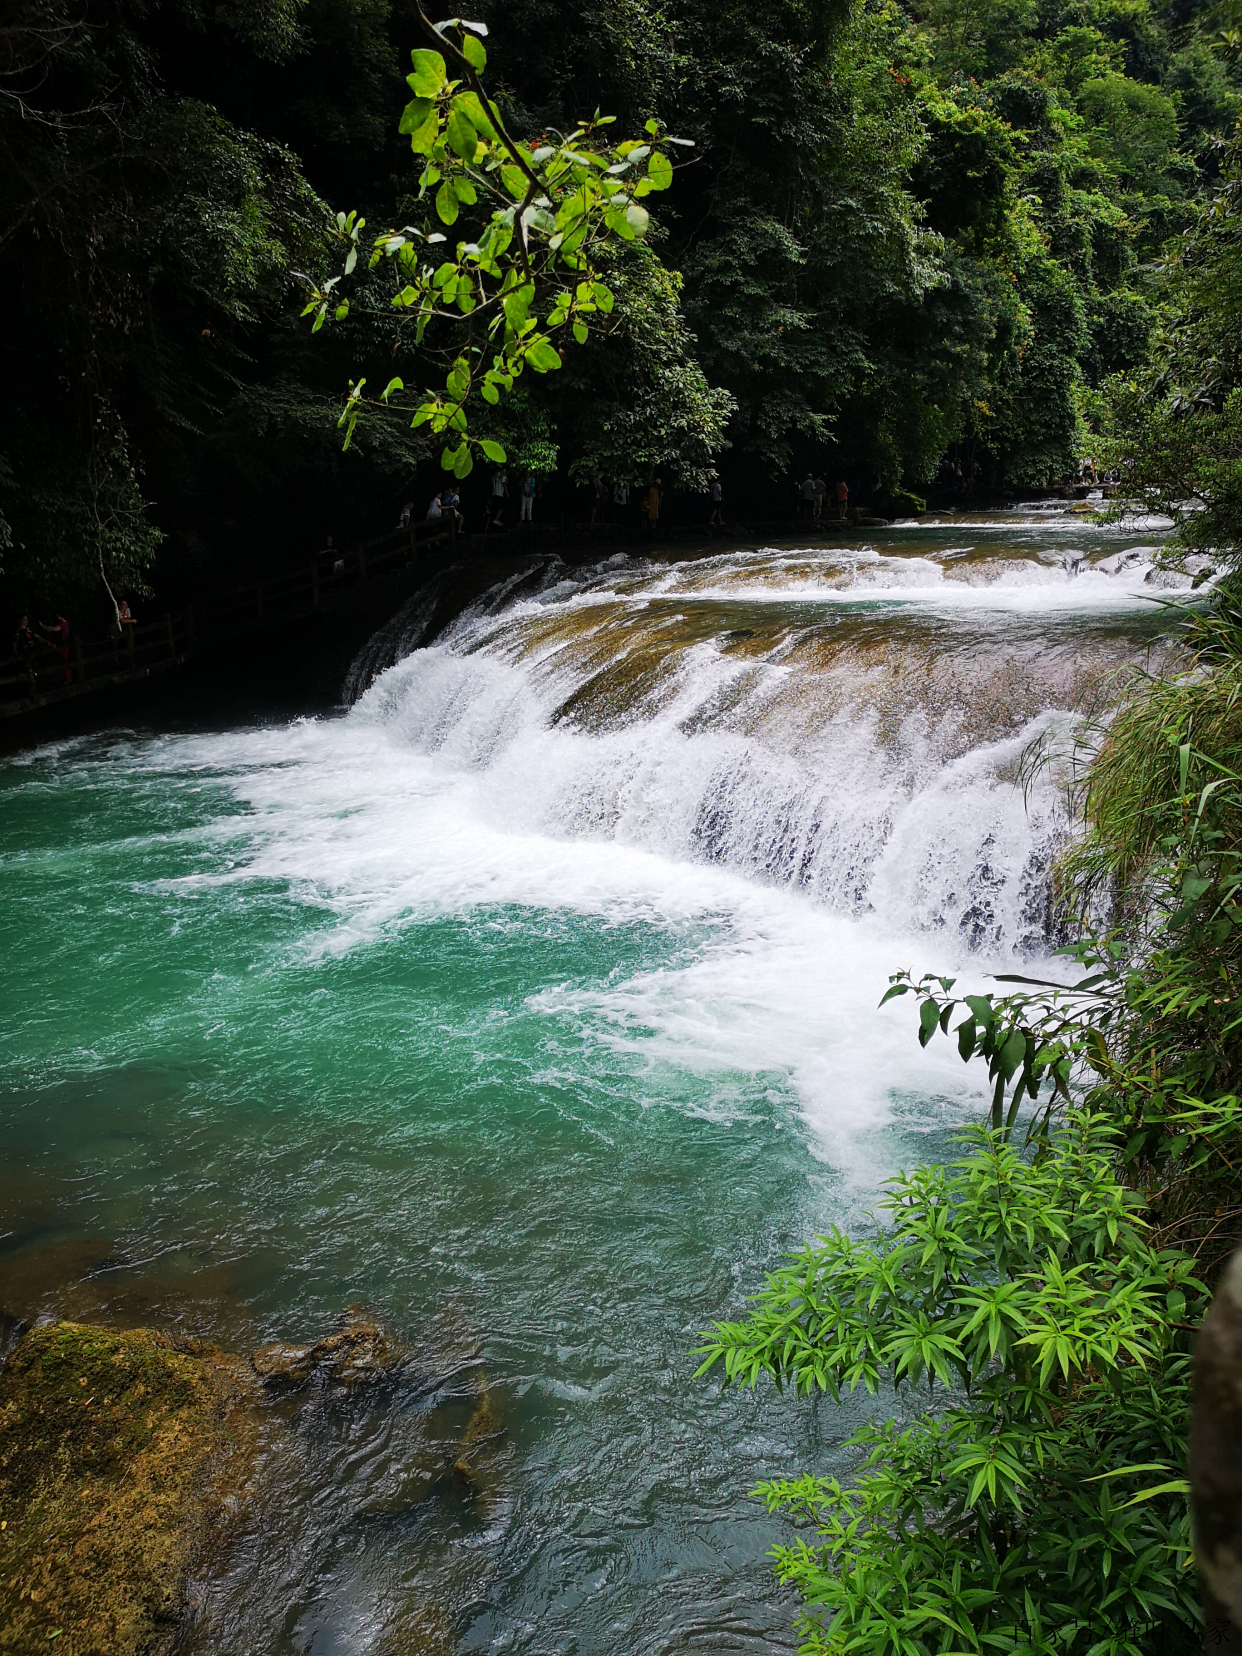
1167 738
108 1442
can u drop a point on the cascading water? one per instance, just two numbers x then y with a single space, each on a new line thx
848 725
533 1003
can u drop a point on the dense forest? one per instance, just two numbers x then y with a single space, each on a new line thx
896 239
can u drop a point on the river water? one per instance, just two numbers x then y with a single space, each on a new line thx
532 1005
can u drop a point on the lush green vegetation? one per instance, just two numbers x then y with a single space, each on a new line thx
1003 234
901 235
1050 1284
1025 1515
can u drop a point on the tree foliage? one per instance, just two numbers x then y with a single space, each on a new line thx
1035 1512
901 234
546 219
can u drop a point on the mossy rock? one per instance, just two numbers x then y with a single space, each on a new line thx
113 1449
902 503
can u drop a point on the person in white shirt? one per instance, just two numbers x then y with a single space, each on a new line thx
500 493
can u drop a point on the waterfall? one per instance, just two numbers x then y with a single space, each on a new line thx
847 724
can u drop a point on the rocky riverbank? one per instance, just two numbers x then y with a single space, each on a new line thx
123 1454
132 1466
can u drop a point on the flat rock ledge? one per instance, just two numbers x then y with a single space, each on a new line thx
123 1454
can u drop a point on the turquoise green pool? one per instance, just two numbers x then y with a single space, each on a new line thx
540 1036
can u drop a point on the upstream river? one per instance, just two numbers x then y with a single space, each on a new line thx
531 1004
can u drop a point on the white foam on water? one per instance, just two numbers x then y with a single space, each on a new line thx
771 983
793 872
1065 581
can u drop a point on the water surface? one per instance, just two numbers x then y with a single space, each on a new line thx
532 1004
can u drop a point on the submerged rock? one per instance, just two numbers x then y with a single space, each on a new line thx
121 1455
484 1427
427 1633
357 1351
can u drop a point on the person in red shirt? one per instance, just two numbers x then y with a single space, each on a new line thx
843 499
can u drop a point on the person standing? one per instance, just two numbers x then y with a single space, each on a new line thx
500 493
843 500
821 494
621 501
652 500
716 521
807 492
436 510
528 498
23 639
57 635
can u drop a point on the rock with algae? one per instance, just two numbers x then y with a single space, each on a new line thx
357 1351
121 1451
483 1428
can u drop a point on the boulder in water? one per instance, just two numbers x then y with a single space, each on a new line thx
121 1453
356 1352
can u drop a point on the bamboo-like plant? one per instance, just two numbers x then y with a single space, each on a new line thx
1040 1510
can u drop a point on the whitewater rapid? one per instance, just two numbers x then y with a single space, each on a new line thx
806 763
531 1001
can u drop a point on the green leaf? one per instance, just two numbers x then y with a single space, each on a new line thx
415 114
1012 1053
660 171
929 1017
479 117
428 76
463 139
543 356
423 141
458 381
493 451
603 296
517 304
1178 1486
473 51
580 332
463 465
446 202
637 218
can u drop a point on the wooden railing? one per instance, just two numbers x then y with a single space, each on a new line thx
48 673
47 669
302 591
